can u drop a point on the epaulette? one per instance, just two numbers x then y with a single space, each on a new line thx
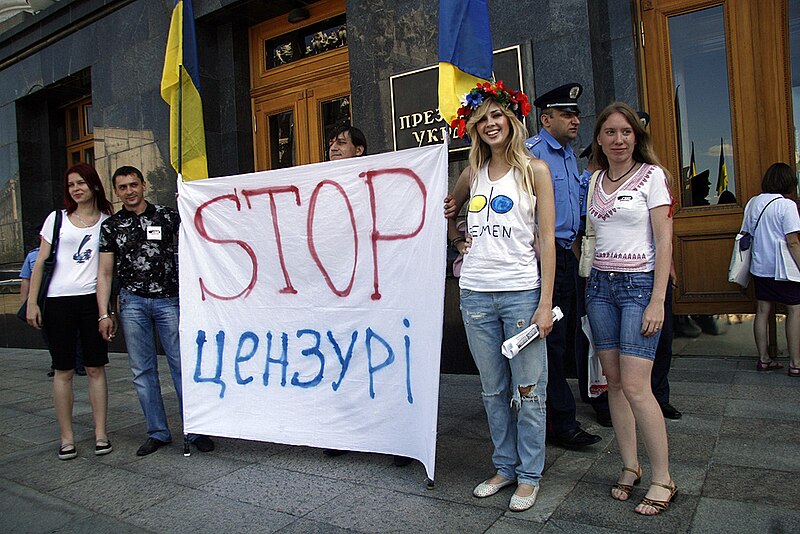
532 142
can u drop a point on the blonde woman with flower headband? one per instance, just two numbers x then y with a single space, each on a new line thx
503 290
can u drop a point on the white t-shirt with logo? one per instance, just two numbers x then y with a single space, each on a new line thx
76 258
501 221
780 218
621 220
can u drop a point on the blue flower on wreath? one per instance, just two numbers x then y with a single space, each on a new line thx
474 99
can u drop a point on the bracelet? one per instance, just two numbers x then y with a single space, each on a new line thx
104 316
456 240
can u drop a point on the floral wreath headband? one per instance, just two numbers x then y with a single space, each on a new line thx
516 101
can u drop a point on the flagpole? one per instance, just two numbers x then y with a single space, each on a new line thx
180 118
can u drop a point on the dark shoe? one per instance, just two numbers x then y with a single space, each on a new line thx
684 326
67 452
768 366
203 444
604 419
51 373
80 372
402 461
333 453
577 439
150 446
708 324
102 446
670 412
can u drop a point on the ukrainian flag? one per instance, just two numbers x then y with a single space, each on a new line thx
465 51
180 88
722 171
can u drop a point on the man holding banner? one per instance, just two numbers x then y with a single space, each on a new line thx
139 241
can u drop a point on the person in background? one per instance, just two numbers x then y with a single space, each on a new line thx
503 290
631 211
71 304
779 222
560 117
346 142
24 288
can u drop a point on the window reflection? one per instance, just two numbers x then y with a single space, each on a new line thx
334 113
702 107
281 140
794 44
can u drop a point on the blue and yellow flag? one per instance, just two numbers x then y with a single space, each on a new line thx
722 171
180 88
465 51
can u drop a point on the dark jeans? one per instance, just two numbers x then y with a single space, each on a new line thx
560 401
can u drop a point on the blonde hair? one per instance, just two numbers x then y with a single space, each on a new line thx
516 154
643 150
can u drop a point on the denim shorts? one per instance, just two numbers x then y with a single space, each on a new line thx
615 303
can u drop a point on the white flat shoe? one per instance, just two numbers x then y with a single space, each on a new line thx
520 504
486 489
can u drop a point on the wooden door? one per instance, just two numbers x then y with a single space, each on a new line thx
300 85
715 80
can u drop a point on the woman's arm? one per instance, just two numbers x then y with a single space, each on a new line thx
34 315
452 206
653 318
460 194
793 242
546 216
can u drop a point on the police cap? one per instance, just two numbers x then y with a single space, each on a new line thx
564 98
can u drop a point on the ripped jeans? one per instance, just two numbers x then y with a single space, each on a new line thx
514 391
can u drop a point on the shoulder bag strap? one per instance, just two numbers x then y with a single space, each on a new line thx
56 236
762 214
589 195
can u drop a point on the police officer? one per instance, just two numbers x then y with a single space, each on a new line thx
559 117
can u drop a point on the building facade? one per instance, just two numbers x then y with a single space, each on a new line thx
79 81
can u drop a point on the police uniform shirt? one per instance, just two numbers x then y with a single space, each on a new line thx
566 183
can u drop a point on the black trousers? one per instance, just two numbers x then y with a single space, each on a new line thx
560 401
658 377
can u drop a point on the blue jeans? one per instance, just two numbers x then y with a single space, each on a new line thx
615 303
138 316
516 418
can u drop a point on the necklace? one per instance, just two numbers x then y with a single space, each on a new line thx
85 224
615 180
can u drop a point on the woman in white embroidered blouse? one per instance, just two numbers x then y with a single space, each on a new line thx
631 213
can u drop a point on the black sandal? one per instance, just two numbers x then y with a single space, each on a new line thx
67 452
628 488
102 446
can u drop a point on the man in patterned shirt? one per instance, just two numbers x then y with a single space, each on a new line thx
139 240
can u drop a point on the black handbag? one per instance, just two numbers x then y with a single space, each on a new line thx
47 273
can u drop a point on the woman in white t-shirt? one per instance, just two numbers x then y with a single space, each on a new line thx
631 213
780 223
502 288
71 305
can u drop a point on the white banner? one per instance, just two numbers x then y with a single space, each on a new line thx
312 301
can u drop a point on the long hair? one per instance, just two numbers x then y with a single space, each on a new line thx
516 154
92 179
643 149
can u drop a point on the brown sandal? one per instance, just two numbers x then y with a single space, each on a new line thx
627 488
660 506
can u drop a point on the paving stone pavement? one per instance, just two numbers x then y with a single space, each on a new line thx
735 456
